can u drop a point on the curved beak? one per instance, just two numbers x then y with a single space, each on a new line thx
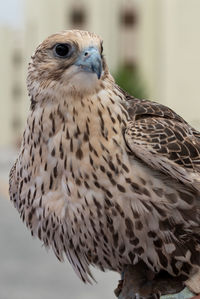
90 61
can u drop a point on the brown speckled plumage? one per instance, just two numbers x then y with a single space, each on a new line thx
104 178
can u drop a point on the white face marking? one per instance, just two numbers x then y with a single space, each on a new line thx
80 81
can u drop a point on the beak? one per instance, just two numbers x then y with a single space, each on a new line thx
90 61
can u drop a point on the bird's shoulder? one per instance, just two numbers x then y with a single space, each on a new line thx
162 139
142 108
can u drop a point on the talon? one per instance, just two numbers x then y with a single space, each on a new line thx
118 290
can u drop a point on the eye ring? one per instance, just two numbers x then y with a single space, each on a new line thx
62 50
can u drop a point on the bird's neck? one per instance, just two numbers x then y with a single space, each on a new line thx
77 112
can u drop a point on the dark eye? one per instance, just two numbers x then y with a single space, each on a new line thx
62 50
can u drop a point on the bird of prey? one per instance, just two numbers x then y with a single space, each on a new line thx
104 178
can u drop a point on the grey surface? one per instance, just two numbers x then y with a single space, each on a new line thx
28 271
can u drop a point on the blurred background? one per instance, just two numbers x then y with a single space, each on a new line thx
152 48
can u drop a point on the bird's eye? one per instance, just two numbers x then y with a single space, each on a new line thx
62 50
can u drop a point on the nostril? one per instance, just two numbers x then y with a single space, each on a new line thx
86 54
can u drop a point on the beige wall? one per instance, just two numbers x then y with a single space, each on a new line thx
170 54
5 71
10 83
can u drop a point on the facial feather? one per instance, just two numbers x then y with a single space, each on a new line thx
48 74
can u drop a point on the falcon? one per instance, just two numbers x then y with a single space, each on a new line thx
104 178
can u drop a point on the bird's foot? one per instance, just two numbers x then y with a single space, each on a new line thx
141 283
135 285
118 290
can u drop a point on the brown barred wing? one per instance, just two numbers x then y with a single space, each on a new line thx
167 144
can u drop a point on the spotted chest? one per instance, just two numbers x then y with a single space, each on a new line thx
74 161
87 151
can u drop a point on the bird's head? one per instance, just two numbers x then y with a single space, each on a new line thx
70 61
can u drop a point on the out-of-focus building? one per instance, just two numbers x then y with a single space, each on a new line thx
162 37
11 86
114 20
170 54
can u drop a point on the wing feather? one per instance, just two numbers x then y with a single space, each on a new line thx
163 140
